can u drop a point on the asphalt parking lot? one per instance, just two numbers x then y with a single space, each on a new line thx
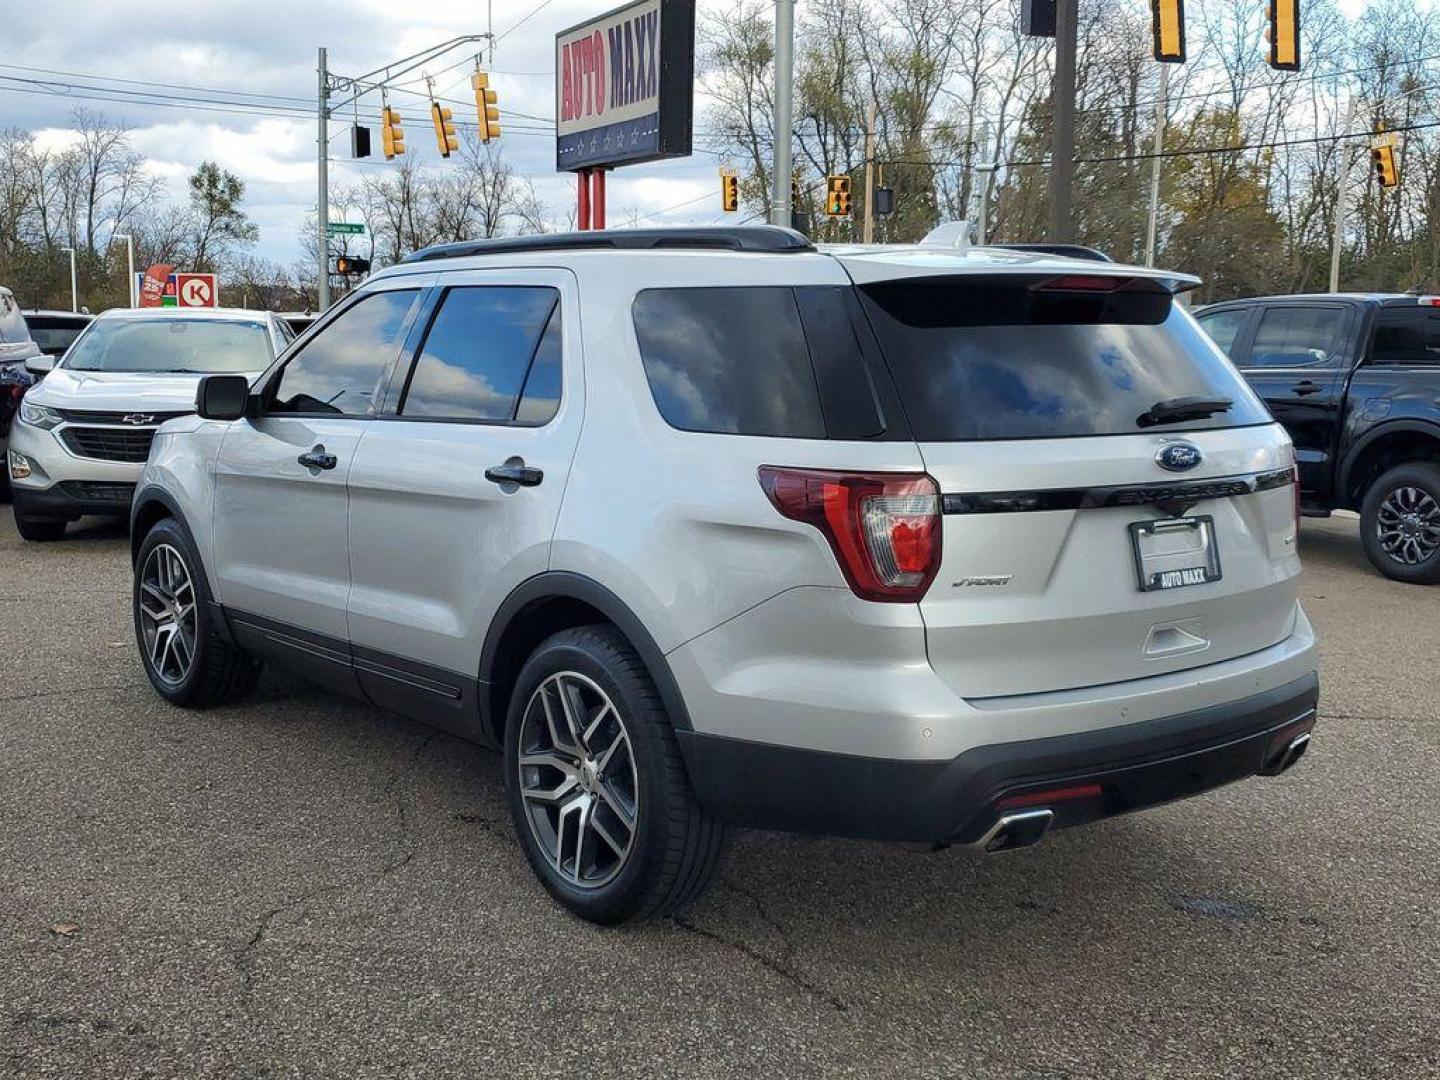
303 886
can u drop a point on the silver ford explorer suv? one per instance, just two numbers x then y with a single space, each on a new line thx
710 527
81 436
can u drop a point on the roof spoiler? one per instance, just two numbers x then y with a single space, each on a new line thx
1071 251
750 238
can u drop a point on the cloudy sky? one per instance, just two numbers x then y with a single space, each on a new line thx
268 47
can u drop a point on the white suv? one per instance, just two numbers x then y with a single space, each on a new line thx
709 527
80 438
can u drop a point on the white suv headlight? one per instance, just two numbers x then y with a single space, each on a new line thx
39 416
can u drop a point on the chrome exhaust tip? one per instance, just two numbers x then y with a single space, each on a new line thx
1022 829
1286 759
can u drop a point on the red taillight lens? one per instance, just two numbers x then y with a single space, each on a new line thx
1101 283
883 527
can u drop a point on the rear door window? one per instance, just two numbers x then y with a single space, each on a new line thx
1298 336
1406 336
1014 357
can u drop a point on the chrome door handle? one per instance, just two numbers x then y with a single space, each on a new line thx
317 459
514 471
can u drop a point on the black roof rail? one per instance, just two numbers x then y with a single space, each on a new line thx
1073 251
762 238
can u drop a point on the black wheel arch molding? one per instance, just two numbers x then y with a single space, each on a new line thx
498 663
1399 426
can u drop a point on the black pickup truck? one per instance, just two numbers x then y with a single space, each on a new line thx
1355 379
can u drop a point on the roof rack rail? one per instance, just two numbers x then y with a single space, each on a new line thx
753 238
1073 251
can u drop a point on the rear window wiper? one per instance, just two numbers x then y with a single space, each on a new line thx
1183 408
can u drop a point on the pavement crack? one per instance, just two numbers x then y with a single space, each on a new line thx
1326 714
68 692
406 840
783 967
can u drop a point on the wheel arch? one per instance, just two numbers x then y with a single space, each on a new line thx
543 605
1382 448
151 504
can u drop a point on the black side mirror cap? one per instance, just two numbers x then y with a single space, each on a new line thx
222 397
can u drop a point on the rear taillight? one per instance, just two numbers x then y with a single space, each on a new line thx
883 527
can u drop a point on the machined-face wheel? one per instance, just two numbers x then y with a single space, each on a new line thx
578 779
167 614
1408 525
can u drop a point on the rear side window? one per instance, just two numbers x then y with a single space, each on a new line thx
1297 337
1405 336
1013 357
1223 327
478 352
340 370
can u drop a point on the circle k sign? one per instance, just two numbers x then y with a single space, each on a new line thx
197 290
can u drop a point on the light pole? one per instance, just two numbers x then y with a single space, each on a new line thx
74 296
1154 223
784 90
1062 110
130 264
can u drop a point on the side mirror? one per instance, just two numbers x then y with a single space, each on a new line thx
222 397
39 364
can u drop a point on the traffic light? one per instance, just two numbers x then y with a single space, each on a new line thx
1167 19
837 196
444 129
359 141
884 201
485 107
729 192
345 265
1283 33
1037 18
392 135
1383 157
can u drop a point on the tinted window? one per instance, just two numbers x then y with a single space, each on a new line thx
477 352
1297 337
340 369
1406 336
541 396
1222 327
158 343
1008 358
12 323
730 360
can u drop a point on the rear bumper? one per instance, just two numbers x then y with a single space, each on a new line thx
1081 777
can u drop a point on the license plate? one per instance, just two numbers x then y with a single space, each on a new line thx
1175 552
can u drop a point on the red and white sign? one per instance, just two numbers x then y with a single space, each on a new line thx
152 285
197 290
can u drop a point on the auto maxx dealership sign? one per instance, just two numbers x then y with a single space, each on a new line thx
624 86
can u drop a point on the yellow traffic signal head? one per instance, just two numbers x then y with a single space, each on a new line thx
445 137
485 106
729 192
837 196
1168 27
392 135
1383 158
1283 34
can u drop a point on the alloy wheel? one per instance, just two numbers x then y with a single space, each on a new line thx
578 779
1408 525
167 614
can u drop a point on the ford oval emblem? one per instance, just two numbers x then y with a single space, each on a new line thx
1179 456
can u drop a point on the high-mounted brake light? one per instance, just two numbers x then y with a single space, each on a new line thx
883 527
1428 301
1084 283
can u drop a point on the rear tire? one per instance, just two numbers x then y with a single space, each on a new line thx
188 661
38 530
1400 523
618 758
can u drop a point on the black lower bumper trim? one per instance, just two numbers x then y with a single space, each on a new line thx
73 499
1133 765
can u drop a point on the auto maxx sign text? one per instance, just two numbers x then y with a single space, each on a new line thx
624 86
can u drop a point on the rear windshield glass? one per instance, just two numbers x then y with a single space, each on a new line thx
179 345
1016 358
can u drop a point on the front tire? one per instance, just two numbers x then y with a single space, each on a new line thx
1400 523
187 660
598 792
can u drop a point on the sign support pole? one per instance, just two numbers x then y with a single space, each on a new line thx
597 199
784 120
582 194
322 190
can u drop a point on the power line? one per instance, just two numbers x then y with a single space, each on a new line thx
524 19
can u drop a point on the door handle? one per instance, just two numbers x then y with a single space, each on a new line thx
1306 387
317 459
514 471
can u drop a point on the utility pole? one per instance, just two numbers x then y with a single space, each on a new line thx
1342 182
784 122
984 172
868 236
322 193
129 265
1155 165
74 291
1062 110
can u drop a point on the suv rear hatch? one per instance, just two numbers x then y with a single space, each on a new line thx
1043 404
